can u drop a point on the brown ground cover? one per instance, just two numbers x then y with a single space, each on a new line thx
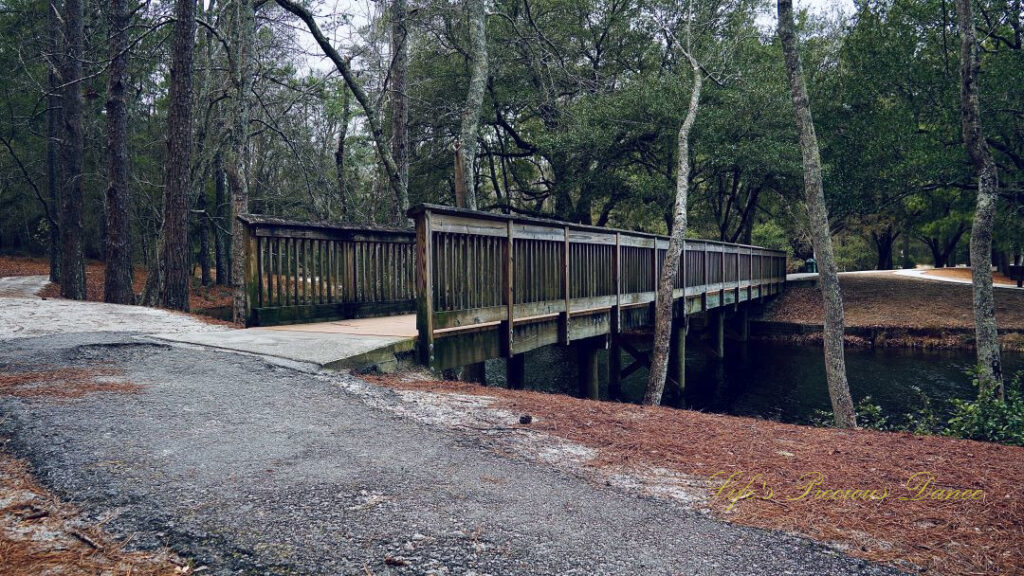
201 298
40 534
983 536
886 300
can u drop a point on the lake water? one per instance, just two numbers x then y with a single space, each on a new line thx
777 381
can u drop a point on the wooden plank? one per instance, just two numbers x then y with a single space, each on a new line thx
425 288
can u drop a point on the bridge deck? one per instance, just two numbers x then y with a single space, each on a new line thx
337 344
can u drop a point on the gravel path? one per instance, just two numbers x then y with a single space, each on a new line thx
25 317
249 466
22 286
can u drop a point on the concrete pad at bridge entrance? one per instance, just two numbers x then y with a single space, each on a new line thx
343 344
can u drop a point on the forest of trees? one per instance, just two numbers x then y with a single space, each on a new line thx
132 132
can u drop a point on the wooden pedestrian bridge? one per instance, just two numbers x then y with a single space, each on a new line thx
483 285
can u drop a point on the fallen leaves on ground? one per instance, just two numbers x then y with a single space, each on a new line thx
40 534
963 537
65 382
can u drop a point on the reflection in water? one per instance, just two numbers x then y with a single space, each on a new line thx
776 381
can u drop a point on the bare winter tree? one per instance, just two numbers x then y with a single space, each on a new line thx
53 126
400 103
241 27
72 268
465 153
666 283
339 154
177 170
117 281
396 181
821 237
986 334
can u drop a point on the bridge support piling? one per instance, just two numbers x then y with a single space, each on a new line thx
614 369
589 378
516 372
744 323
475 372
719 329
678 356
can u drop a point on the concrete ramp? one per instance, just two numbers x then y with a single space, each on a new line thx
346 344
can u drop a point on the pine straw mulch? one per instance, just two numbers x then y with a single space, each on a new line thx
40 534
891 301
967 537
65 383
200 297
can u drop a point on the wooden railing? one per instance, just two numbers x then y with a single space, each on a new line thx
302 272
490 285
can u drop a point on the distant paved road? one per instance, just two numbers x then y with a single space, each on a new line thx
251 467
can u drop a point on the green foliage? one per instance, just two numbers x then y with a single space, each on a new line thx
990 417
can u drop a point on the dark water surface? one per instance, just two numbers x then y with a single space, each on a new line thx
778 381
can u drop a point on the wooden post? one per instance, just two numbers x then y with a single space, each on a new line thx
679 355
509 327
720 334
745 323
566 269
425 288
252 280
707 281
589 381
516 371
614 350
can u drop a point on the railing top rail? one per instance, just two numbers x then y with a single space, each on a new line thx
448 210
259 220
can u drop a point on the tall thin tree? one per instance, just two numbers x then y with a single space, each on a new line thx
465 153
986 334
821 235
177 168
663 312
117 281
72 269
400 103
242 31
53 127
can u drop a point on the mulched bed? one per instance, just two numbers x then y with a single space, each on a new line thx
950 537
886 300
201 298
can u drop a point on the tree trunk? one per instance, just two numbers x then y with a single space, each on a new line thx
242 33
884 242
72 268
177 170
117 280
339 156
223 217
400 104
835 362
676 244
986 335
204 236
53 123
466 154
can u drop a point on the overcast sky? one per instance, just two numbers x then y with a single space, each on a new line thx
359 12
